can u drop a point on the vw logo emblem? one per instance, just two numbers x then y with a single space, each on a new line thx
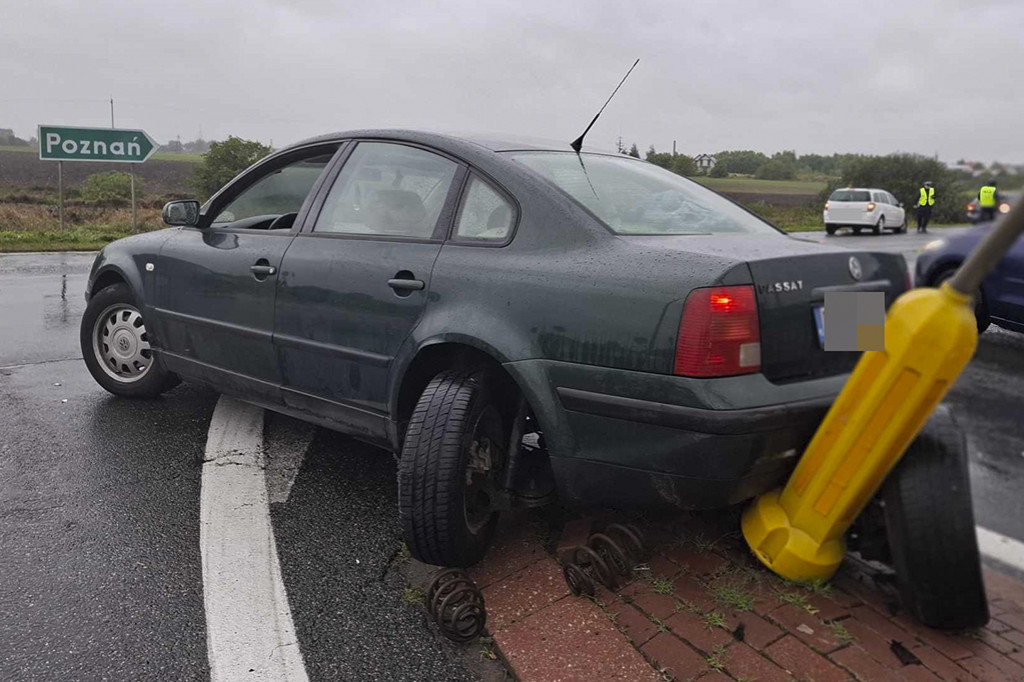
855 270
122 343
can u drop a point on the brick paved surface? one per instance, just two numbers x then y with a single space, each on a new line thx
700 608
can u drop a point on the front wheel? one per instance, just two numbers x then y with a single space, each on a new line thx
116 346
929 521
449 471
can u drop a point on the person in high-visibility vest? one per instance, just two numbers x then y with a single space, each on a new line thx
924 206
988 199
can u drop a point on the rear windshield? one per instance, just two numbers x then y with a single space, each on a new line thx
634 197
850 195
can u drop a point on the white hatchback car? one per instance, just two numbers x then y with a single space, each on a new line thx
858 208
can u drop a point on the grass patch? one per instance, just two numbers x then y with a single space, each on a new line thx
662 585
755 186
841 633
660 623
714 619
799 600
735 597
802 218
77 239
715 659
414 596
703 544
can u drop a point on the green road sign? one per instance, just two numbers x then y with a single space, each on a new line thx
61 143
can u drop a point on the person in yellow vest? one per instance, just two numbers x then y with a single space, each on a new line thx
924 206
988 199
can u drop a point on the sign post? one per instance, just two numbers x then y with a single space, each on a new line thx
105 145
60 192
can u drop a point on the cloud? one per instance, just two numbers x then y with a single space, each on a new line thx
866 76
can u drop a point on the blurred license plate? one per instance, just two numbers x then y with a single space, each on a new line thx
819 322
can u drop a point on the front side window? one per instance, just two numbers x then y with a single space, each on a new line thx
634 197
389 190
278 193
485 215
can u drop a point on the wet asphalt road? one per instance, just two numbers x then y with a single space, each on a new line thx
100 573
101 569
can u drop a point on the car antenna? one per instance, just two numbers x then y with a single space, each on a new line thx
577 144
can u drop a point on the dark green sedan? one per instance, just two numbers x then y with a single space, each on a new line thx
520 322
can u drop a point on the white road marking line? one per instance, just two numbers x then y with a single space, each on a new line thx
250 634
1001 548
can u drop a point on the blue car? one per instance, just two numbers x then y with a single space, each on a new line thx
1002 293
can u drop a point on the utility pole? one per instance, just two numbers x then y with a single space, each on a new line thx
673 147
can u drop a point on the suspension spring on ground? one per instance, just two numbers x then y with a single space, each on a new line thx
456 605
610 554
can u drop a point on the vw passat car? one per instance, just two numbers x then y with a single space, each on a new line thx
858 208
518 321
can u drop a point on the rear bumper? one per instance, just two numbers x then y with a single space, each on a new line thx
635 439
648 454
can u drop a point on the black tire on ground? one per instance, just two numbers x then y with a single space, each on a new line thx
456 412
903 226
980 306
930 526
154 381
830 229
879 226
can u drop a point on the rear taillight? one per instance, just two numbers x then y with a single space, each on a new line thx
826 205
870 206
719 333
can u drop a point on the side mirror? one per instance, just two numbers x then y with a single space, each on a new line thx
185 213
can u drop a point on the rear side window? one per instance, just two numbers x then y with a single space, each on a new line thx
389 190
486 216
850 195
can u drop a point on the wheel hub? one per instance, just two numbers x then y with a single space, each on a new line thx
121 344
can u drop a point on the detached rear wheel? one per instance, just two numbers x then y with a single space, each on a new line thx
930 526
116 348
449 472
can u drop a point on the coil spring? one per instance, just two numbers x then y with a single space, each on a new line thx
456 605
609 555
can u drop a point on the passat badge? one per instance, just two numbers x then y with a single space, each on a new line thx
855 270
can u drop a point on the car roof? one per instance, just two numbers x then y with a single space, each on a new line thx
495 142
861 189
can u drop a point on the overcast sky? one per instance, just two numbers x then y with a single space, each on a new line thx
811 75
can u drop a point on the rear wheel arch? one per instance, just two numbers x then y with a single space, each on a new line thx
435 358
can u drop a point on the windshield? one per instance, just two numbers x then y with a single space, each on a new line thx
850 195
633 197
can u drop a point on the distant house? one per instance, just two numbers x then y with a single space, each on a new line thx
705 162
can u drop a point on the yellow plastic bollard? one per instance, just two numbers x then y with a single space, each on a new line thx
930 336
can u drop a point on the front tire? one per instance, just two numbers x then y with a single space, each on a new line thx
453 453
116 349
930 526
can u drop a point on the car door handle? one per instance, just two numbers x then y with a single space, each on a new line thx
406 284
262 271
